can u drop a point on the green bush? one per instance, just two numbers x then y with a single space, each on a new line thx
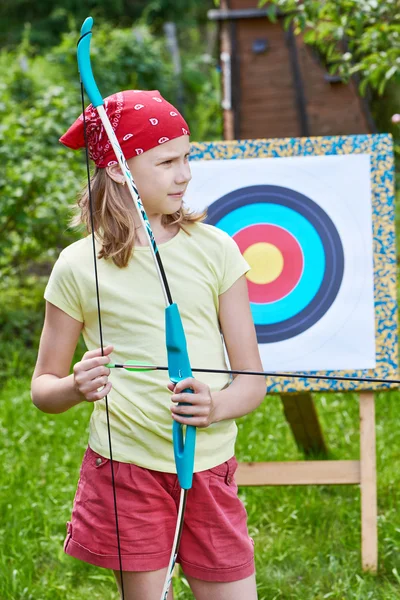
21 319
39 99
40 179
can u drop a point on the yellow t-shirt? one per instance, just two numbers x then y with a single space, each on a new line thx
199 268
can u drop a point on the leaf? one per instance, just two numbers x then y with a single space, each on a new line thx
287 21
272 13
362 88
309 36
396 575
391 72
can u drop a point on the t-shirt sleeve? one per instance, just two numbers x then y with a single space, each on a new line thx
235 265
62 290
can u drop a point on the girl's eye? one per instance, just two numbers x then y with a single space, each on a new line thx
168 162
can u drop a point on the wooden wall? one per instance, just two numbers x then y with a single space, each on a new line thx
284 91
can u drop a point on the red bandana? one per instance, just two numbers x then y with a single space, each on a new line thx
141 120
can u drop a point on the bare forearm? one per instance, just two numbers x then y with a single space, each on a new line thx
244 395
52 394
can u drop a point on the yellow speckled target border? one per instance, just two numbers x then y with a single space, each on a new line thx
380 149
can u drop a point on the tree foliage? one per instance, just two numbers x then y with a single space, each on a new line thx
356 36
40 178
40 99
49 19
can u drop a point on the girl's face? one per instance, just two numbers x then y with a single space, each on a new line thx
162 175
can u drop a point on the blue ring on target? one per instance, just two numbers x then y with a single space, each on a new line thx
320 243
313 253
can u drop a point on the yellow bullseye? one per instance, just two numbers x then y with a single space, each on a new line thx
266 262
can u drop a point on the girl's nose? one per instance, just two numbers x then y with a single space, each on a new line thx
184 174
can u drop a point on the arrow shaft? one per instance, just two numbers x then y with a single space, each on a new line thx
145 367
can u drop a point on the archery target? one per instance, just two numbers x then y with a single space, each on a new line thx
294 251
304 225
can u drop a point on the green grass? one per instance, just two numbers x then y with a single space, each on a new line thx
307 538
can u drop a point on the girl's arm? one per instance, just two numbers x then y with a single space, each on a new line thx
53 389
246 392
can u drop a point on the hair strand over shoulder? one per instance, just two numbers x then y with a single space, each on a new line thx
114 224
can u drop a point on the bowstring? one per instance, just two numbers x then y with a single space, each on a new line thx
91 211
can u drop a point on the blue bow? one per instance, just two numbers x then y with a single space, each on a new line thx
178 359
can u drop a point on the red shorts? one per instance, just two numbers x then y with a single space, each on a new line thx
215 544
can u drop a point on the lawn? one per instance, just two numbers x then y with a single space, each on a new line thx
307 538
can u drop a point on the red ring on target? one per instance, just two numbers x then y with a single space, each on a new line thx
293 260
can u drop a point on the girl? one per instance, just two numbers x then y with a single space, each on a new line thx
205 271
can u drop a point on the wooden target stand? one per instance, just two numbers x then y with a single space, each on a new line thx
302 417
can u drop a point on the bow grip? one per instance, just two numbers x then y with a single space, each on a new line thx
84 65
179 368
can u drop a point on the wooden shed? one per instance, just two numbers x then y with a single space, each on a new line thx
274 85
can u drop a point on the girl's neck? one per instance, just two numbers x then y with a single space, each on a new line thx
162 233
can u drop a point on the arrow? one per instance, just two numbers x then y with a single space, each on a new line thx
134 365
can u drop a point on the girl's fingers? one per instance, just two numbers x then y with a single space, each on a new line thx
92 385
98 394
86 380
200 390
192 409
191 383
97 352
91 374
99 372
194 399
188 411
91 363
98 383
188 398
195 420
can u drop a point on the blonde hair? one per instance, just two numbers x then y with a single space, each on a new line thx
113 223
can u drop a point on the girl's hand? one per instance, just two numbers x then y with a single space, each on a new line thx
200 411
90 374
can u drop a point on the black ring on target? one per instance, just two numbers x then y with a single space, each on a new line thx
329 237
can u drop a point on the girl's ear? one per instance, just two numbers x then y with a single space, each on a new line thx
114 171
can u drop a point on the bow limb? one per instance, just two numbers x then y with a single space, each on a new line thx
178 359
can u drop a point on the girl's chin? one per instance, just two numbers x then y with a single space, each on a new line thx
166 208
174 204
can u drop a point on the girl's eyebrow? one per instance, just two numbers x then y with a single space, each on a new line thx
171 156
